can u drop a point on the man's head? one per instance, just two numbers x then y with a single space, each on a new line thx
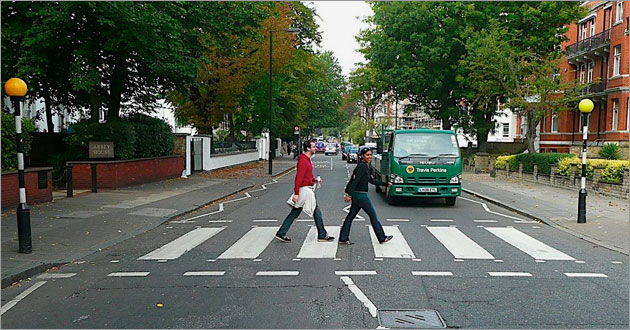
308 146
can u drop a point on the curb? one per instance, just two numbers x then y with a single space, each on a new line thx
545 221
36 267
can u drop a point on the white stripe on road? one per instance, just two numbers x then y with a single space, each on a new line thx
585 275
441 220
220 221
483 221
485 207
21 296
458 244
535 248
181 245
251 245
432 273
354 272
518 274
278 273
357 217
396 248
266 220
129 274
205 273
398 220
360 295
311 248
56 275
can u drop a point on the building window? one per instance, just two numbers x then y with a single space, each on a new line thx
583 29
619 15
592 32
617 60
554 123
615 114
523 127
581 73
589 77
506 130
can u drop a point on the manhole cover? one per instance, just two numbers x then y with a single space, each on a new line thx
410 318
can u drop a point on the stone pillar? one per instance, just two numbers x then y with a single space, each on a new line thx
481 162
493 172
520 170
572 174
535 172
597 176
625 181
507 169
552 174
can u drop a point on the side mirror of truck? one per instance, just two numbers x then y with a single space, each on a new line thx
379 147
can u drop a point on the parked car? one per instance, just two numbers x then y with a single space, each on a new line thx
330 149
346 150
352 154
320 146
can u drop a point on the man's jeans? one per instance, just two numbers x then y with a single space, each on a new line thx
288 221
366 205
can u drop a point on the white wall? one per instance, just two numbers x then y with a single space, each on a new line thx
219 161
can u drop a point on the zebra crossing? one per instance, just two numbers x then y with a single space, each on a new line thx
252 244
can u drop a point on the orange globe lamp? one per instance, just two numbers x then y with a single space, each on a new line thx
15 87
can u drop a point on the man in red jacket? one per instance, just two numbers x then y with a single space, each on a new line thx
303 178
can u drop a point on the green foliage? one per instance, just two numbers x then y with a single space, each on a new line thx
610 151
502 161
543 160
9 147
154 137
613 169
121 132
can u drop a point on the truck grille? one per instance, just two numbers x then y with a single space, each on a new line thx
420 180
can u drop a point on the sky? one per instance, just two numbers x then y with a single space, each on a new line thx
340 22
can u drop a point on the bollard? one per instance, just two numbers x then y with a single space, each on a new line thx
69 191
93 177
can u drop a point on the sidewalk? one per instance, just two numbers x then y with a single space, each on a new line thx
68 229
607 223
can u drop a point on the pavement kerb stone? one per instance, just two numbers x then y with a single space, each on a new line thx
36 268
545 221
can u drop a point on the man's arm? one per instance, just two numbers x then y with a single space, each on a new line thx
299 176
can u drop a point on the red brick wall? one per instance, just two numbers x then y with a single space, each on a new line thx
125 173
34 195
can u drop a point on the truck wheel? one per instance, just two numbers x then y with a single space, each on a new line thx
378 189
391 200
450 201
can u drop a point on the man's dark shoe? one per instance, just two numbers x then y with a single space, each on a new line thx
345 243
283 239
387 239
326 239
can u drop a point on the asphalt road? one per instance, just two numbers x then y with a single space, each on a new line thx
477 265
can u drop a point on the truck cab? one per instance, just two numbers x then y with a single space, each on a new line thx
420 163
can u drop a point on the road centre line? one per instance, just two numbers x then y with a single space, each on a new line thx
489 211
585 275
220 221
354 272
129 274
21 296
441 220
266 220
360 295
56 275
278 273
510 274
484 221
398 220
205 273
425 273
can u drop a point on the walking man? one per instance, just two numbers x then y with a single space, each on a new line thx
304 197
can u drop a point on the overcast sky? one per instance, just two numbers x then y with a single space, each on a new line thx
340 22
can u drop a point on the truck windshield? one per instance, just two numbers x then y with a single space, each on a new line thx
425 145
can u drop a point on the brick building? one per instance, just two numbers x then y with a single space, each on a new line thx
597 53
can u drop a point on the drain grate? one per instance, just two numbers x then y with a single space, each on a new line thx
410 319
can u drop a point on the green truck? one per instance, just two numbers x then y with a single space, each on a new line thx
420 163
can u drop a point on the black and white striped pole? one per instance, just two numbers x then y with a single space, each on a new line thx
16 89
585 106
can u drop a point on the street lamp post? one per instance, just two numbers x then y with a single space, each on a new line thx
271 90
16 89
585 106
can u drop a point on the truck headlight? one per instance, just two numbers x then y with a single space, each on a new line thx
398 179
456 179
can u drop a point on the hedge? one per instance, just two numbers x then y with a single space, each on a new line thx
612 172
9 144
154 137
543 160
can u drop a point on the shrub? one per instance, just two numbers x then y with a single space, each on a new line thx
610 151
543 160
9 145
154 137
121 132
502 161
613 171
